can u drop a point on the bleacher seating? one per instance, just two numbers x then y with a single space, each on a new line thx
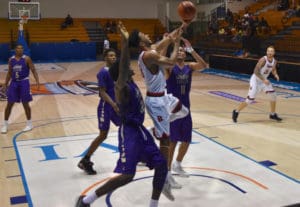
152 27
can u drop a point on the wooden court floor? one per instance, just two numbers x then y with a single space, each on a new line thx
255 136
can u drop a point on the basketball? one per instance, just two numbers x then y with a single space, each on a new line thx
186 11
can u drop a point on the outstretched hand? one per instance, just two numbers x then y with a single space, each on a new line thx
123 31
186 42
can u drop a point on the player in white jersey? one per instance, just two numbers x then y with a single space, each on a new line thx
161 107
259 82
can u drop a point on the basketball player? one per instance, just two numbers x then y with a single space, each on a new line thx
179 79
19 66
259 82
135 142
107 110
161 107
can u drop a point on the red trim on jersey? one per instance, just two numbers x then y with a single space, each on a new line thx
163 136
155 94
270 91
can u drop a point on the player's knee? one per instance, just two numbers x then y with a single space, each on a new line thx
272 95
164 142
126 178
249 100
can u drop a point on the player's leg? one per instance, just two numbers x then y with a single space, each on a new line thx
184 135
272 96
109 186
7 113
27 110
103 125
254 88
129 151
13 95
153 158
26 97
158 110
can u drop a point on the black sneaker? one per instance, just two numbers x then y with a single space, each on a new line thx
87 166
235 116
275 117
80 203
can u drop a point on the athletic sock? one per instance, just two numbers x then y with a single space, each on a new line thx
90 198
153 203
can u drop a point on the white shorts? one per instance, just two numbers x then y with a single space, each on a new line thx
256 86
160 110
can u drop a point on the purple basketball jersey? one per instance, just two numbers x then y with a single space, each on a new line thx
134 111
179 84
135 142
20 69
105 111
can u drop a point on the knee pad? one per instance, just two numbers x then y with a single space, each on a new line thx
272 95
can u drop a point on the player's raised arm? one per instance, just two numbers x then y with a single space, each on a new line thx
124 70
200 63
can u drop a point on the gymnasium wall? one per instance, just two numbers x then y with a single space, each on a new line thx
94 8
286 71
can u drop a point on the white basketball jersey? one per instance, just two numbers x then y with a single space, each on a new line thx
267 68
154 82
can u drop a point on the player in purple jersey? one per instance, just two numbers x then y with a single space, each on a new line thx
135 142
19 67
179 79
107 110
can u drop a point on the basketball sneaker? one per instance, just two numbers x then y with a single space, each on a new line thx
87 166
80 203
4 129
235 116
28 128
178 169
167 191
173 182
275 117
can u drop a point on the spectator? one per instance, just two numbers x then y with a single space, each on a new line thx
68 22
108 27
113 27
283 5
298 10
264 26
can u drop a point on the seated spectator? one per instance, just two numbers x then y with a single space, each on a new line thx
113 27
264 26
68 22
283 5
298 10
108 27
242 53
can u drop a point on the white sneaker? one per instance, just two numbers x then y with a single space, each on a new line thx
4 129
27 128
167 191
178 169
173 183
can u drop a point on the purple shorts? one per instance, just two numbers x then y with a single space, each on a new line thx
105 115
135 145
19 91
181 129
